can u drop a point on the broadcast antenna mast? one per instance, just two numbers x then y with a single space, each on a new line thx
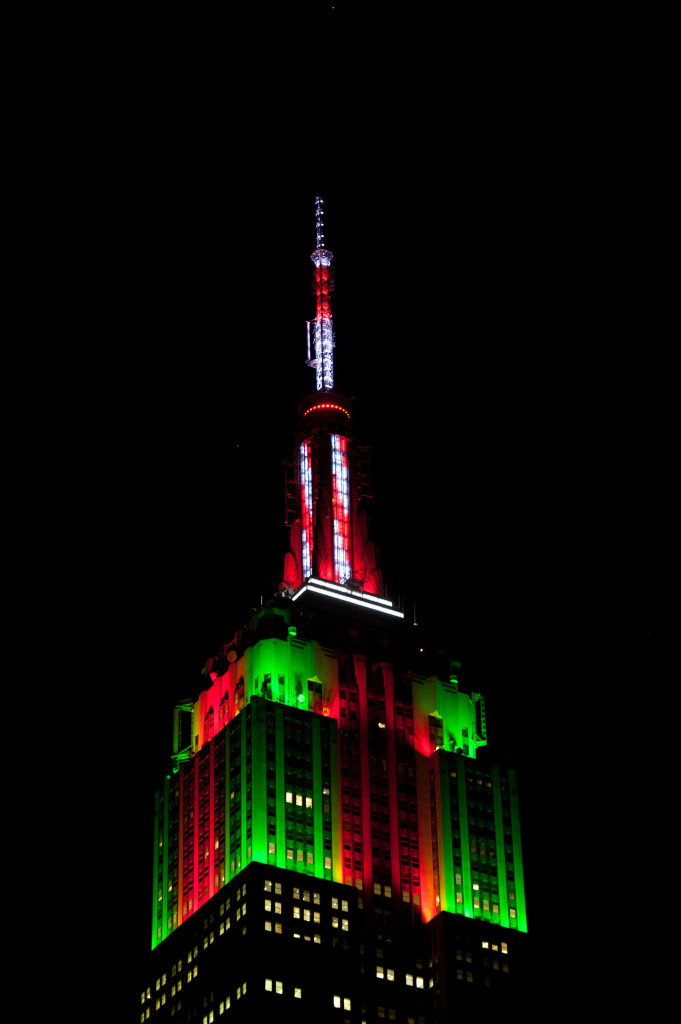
323 322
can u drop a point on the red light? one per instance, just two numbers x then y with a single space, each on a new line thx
327 405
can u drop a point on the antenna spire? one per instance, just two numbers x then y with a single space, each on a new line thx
323 322
319 213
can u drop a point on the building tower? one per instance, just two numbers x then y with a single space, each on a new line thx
333 841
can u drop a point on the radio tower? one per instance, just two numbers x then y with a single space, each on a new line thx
328 529
323 323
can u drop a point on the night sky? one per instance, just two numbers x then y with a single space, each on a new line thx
471 326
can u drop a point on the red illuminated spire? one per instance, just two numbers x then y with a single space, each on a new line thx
329 538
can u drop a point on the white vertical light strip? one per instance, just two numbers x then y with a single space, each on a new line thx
341 507
306 502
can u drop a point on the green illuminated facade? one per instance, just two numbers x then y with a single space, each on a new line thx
265 789
330 752
477 860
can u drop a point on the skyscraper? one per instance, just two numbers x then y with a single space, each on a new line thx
333 838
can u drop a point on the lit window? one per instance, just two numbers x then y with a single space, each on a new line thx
334 922
289 854
299 799
337 1002
298 993
317 917
316 897
296 911
268 906
334 903
296 893
419 982
308 801
277 908
475 885
289 798
300 854
268 888
409 979
344 905
279 988
346 1004
379 971
317 938
485 945
277 888
310 858
306 914
504 947
511 912
390 974
268 926
327 863
278 928
271 848
476 902
345 924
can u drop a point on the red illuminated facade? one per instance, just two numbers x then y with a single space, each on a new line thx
331 754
